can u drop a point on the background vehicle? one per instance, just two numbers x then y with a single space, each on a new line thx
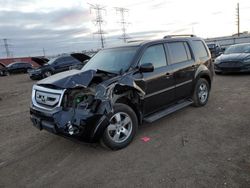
236 58
18 67
121 87
215 49
56 65
3 70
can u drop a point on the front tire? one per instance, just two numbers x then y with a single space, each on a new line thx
47 74
201 92
122 127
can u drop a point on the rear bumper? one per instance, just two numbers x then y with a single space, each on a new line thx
88 127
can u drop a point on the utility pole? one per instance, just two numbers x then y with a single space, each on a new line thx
238 18
43 52
123 23
99 20
6 45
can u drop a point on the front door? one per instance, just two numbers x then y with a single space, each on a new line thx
159 84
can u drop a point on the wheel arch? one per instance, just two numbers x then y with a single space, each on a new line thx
133 103
203 72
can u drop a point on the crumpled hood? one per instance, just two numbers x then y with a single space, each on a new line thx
70 79
233 57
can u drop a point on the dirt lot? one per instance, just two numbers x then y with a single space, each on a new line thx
195 147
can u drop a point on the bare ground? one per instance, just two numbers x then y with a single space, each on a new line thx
195 147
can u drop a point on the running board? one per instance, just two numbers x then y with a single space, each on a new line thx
157 115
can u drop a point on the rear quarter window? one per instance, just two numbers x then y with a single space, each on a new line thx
200 49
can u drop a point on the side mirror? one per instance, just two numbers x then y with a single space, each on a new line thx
147 67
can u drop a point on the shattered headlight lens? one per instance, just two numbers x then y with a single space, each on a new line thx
78 98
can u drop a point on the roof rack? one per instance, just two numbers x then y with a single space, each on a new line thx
184 35
132 41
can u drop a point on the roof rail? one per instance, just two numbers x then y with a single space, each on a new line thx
132 41
184 35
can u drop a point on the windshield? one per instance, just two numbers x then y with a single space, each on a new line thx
52 60
10 65
238 49
112 60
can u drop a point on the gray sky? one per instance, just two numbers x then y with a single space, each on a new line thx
63 26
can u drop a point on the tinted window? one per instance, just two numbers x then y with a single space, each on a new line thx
64 60
155 55
200 49
188 51
179 52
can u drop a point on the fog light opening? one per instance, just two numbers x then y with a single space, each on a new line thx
72 129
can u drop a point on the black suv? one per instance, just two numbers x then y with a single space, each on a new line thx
121 87
56 65
215 49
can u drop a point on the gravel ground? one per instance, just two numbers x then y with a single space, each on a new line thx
195 147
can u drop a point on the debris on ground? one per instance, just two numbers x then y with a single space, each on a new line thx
184 140
145 139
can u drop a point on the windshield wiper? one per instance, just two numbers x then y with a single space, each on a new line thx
106 72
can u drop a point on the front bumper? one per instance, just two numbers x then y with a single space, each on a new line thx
35 76
88 126
231 69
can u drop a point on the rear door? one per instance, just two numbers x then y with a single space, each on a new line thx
183 63
159 84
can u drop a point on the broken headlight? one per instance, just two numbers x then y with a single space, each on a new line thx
78 98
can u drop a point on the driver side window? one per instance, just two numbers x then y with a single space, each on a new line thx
155 55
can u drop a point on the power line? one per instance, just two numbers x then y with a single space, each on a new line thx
99 20
123 23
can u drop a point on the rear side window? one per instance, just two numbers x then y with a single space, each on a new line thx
200 49
155 55
179 52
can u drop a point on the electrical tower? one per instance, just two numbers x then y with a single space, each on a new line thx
6 46
99 20
238 18
123 23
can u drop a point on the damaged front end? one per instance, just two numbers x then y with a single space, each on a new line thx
79 108
79 104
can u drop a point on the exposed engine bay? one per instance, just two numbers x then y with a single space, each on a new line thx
86 100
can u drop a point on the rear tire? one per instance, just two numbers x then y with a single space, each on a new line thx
201 92
122 128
